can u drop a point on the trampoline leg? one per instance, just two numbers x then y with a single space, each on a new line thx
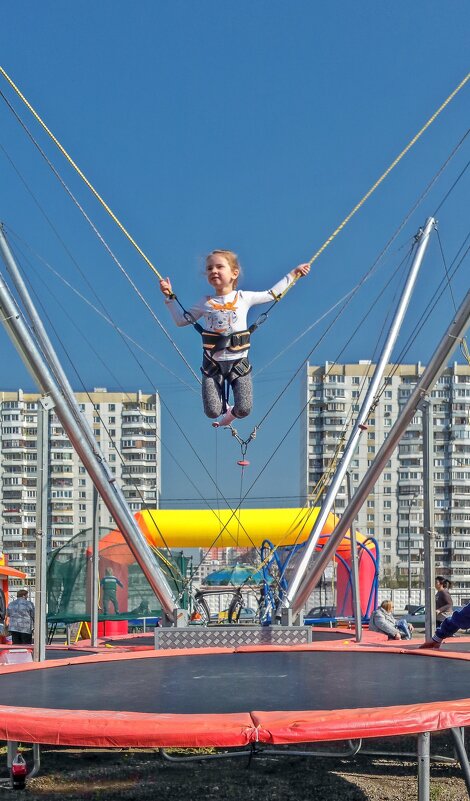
457 734
288 618
12 750
424 763
37 761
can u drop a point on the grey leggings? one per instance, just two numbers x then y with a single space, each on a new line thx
212 393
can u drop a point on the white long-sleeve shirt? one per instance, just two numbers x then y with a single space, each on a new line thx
227 314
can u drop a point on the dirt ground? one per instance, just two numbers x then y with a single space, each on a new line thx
143 775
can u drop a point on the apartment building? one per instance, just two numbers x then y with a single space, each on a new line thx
393 512
127 427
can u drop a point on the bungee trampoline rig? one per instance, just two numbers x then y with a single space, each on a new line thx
249 697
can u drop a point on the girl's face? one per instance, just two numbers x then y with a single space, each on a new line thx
220 274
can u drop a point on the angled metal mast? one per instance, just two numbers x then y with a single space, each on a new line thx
42 362
422 239
447 345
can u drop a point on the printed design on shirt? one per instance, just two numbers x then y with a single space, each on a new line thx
222 316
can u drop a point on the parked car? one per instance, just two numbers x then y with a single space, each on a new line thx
246 615
418 616
321 612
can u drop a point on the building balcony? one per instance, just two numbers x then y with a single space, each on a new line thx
414 451
143 473
10 544
12 496
15 445
131 422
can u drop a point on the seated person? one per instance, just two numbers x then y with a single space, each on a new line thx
382 620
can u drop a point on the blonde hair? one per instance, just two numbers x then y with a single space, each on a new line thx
232 259
387 605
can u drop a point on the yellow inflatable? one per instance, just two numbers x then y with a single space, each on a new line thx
247 528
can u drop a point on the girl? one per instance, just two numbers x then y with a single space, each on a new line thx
225 336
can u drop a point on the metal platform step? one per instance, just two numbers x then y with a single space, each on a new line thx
230 636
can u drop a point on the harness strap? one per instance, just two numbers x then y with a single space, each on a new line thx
213 341
239 368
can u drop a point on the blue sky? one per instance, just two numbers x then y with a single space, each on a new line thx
254 126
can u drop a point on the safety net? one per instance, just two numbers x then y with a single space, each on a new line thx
124 589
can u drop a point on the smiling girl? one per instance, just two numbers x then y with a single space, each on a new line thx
225 337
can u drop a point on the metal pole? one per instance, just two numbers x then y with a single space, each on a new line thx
424 766
42 521
356 590
89 454
410 506
444 350
42 338
360 425
95 575
459 743
428 519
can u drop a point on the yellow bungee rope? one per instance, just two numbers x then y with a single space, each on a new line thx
80 173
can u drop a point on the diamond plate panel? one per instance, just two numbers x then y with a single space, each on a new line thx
230 636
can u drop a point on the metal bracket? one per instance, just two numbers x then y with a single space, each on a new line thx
47 402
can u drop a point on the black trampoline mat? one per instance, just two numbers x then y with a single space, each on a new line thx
145 639
331 634
242 682
64 653
458 647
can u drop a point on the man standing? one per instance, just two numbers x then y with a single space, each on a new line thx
20 619
109 584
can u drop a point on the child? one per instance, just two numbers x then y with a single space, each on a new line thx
225 335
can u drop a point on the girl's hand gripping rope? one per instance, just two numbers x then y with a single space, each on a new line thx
298 272
165 287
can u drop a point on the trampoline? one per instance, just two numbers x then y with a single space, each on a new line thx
230 698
